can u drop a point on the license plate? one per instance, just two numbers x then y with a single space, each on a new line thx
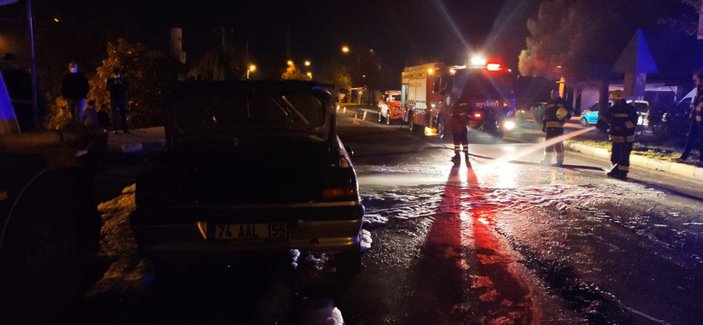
252 231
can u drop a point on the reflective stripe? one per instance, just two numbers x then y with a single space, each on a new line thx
629 125
621 115
553 124
617 138
621 139
624 168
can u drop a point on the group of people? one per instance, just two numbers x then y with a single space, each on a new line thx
74 89
620 120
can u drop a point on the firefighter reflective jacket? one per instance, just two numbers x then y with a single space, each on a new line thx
460 116
556 114
622 119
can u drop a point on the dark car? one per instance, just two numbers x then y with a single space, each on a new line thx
675 122
248 167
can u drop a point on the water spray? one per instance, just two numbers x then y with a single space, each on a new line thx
536 147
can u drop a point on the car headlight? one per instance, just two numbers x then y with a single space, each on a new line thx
509 125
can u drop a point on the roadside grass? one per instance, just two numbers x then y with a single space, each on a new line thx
649 146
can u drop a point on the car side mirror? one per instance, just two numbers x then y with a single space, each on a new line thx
349 150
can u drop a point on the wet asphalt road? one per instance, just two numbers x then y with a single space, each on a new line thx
524 243
498 243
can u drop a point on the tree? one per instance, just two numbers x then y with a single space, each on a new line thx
224 63
585 37
685 22
337 74
293 73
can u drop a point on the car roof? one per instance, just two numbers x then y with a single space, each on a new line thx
205 88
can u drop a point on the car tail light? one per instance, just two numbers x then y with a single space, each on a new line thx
340 182
339 192
478 115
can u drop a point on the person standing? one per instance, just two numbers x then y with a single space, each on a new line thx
117 87
74 89
696 122
556 113
460 134
621 119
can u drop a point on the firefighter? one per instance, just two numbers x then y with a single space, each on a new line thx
557 112
621 119
459 123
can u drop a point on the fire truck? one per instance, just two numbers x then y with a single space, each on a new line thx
428 91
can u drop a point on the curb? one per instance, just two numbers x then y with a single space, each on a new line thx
679 169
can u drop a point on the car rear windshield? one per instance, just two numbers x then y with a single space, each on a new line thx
298 111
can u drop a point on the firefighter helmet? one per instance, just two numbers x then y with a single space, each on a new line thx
616 95
562 112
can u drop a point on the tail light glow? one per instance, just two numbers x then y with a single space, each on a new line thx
338 192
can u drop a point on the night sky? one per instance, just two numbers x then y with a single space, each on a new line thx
396 30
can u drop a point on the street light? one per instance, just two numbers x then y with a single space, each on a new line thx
307 63
290 63
250 69
345 49
309 74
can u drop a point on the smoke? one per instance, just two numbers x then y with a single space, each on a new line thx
570 38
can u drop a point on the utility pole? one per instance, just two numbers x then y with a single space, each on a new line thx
35 101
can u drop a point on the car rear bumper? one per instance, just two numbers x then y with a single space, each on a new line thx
172 233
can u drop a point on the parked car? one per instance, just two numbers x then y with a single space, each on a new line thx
589 116
675 122
49 222
249 167
389 108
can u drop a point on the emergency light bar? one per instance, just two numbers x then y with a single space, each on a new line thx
493 67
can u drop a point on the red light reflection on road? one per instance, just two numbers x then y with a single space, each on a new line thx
467 268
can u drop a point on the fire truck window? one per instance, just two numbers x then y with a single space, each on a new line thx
448 84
